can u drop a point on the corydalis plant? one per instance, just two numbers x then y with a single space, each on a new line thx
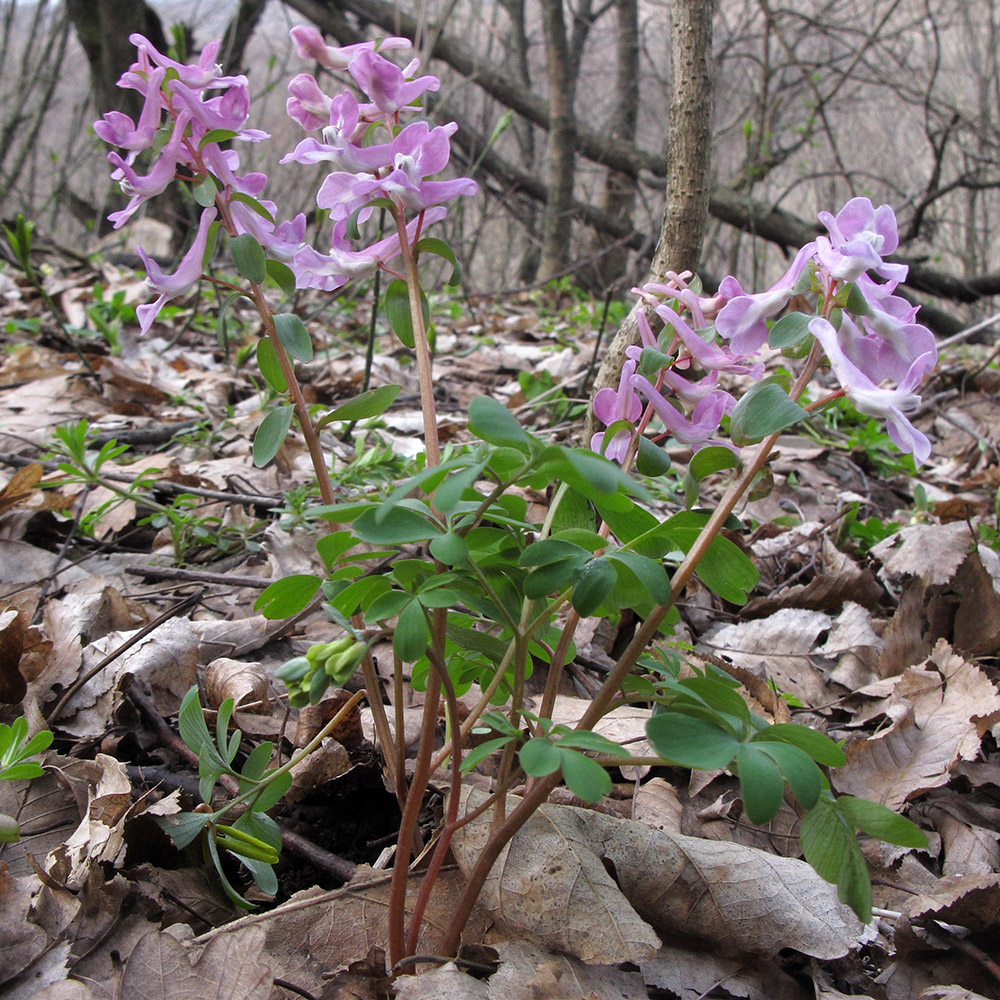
868 333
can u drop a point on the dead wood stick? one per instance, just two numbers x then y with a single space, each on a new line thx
197 575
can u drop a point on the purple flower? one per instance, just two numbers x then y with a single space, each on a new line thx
119 130
206 72
385 83
742 319
187 275
310 45
612 405
860 235
141 189
705 417
707 355
331 271
337 146
890 405
891 319
307 104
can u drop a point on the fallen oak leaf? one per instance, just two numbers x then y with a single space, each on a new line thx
160 968
547 883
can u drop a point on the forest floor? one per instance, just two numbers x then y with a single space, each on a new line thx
877 617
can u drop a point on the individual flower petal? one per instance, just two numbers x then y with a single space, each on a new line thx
187 275
708 356
307 104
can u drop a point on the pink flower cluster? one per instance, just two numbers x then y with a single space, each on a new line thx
202 108
881 342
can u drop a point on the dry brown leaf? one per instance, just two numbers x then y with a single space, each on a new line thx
239 680
940 713
21 940
337 928
160 969
657 804
13 686
328 761
550 884
444 983
782 643
528 973
932 552
693 975
971 901
838 579
977 617
951 993
71 989
968 849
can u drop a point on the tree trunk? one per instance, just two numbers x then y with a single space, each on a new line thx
689 146
560 155
103 28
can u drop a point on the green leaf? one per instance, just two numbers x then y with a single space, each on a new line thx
551 578
255 765
789 330
10 829
217 135
254 205
481 752
287 596
584 739
761 784
690 742
724 568
704 463
856 301
183 828
368 404
191 723
431 244
331 547
397 311
248 256
540 757
282 275
585 777
450 549
592 583
552 550
829 845
387 605
819 746
652 360
797 768
649 573
763 410
204 193
651 459
879 821
273 792
293 336
401 526
271 434
270 367
492 422
411 634
21 772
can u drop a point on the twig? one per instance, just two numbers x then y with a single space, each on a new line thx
161 485
200 576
